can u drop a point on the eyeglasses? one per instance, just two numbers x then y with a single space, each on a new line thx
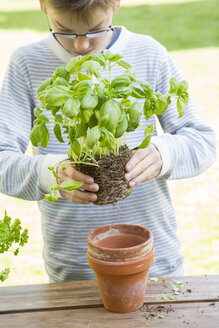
89 35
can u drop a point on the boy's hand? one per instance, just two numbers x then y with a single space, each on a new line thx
77 196
145 163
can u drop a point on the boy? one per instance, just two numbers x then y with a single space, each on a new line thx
186 148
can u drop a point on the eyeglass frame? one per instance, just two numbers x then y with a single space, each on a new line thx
73 36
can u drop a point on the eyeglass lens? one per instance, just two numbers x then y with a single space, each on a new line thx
87 35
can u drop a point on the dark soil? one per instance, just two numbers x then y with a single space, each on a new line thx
109 175
151 312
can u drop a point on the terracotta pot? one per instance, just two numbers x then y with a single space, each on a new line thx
121 255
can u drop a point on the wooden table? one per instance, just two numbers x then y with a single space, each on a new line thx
78 304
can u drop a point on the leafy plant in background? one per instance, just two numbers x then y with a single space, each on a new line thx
11 233
96 113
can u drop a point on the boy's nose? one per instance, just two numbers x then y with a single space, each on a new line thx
81 43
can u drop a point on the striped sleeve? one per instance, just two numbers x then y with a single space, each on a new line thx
19 173
188 143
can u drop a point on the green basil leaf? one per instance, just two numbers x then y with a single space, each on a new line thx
44 85
41 96
135 107
59 118
86 115
174 85
99 58
107 54
147 88
76 148
125 102
122 92
137 93
52 197
44 136
58 133
42 118
109 115
82 87
124 64
149 129
110 56
89 101
185 97
53 109
107 139
81 130
61 72
92 66
149 107
184 84
180 107
161 103
71 133
134 111
71 107
93 136
120 81
131 74
122 126
115 57
145 142
35 135
57 96
71 184
37 112
92 121
60 81
83 77
75 64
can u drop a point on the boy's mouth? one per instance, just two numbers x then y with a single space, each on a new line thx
83 53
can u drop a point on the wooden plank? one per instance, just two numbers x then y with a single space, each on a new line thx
181 315
48 296
197 288
86 294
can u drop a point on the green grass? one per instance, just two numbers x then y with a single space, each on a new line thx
202 247
176 25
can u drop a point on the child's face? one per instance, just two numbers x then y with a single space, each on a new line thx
66 22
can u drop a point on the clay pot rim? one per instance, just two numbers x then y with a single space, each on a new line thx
145 243
121 263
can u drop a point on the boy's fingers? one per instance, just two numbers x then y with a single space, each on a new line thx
83 195
149 174
91 187
138 155
77 196
148 165
138 168
74 174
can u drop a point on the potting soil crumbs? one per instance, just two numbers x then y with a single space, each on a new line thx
158 311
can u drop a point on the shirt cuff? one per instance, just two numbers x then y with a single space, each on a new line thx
45 175
161 144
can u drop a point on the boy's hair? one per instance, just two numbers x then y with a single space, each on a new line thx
82 8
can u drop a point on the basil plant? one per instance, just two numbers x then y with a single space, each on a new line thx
96 113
